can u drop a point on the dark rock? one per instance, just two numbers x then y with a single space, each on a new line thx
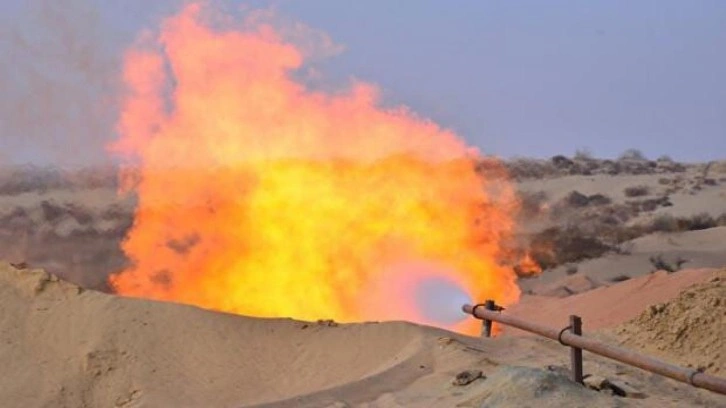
467 377
20 265
623 389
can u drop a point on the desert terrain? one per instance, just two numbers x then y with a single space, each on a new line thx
636 247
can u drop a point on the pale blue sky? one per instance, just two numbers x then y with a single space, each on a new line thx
527 78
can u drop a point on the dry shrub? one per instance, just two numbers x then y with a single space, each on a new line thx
669 223
636 191
561 162
522 168
599 199
614 214
618 234
571 270
531 204
583 155
650 204
664 223
660 264
52 212
94 177
718 167
83 215
698 222
16 220
584 164
559 245
632 154
576 199
710 182
27 179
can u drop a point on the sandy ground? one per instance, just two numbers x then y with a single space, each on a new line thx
607 306
686 191
69 347
701 249
687 330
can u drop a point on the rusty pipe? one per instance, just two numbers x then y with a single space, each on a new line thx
684 375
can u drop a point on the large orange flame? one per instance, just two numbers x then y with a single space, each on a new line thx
259 196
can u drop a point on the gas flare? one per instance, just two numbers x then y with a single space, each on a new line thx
260 196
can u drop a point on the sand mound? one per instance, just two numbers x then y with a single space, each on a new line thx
608 306
68 347
513 386
688 330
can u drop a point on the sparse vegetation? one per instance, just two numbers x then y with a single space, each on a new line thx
599 199
592 234
530 169
664 223
660 264
631 162
588 225
583 155
64 239
636 191
669 223
698 222
576 199
650 204
559 245
632 154
14 181
532 204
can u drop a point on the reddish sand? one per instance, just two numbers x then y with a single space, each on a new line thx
610 305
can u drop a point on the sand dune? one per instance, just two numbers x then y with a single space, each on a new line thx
71 347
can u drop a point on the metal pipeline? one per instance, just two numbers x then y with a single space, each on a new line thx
689 376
